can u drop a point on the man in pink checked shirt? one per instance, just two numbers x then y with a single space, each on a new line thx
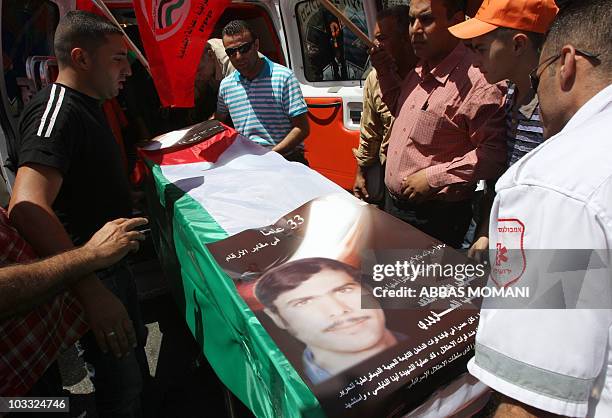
449 128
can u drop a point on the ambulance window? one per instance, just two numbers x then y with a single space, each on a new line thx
330 51
27 30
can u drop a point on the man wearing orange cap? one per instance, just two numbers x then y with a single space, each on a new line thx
449 126
506 36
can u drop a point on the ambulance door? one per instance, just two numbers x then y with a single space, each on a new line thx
331 64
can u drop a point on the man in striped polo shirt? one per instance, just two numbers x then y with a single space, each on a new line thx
262 98
506 37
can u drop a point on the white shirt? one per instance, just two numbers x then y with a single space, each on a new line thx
561 196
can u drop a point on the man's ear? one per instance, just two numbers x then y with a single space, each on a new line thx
80 58
257 44
276 318
567 68
457 18
520 41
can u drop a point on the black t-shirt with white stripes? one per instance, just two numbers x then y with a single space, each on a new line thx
67 130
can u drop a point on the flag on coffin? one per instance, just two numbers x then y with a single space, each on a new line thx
239 183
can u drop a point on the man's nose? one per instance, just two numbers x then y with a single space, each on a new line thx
127 70
417 27
335 307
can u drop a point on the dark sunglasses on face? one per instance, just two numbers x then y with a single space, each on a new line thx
534 77
243 49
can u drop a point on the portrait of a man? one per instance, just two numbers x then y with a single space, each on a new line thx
319 302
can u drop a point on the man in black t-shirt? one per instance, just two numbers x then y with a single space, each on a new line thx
70 181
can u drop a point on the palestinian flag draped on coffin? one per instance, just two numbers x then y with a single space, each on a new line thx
220 195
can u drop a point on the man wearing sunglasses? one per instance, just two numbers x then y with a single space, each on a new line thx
506 37
558 360
263 99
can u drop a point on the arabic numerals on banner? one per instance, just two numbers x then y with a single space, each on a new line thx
295 222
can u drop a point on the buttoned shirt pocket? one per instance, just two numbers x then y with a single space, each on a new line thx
424 127
433 131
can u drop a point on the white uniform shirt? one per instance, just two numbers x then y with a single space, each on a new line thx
561 196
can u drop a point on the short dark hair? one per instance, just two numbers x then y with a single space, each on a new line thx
290 275
454 6
585 24
400 13
238 26
80 29
536 39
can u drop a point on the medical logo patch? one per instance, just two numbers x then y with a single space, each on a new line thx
509 262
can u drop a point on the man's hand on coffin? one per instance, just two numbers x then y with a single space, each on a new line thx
114 241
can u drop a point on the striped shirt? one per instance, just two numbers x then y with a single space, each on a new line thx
524 128
261 109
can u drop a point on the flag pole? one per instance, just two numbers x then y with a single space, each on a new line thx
100 4
347 22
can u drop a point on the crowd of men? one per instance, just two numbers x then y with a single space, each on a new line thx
518 98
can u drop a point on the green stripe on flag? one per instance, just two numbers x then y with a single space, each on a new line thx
235 343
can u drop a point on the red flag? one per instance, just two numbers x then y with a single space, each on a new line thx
88 6
174 33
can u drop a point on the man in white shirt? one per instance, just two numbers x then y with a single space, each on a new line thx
558 361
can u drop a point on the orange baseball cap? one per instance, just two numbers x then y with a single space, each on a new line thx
528 15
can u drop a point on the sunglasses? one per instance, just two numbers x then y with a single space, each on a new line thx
534 77
243 49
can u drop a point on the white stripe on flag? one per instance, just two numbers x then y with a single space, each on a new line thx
55 112
249 187
47 109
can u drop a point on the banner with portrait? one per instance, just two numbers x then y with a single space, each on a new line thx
338 285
